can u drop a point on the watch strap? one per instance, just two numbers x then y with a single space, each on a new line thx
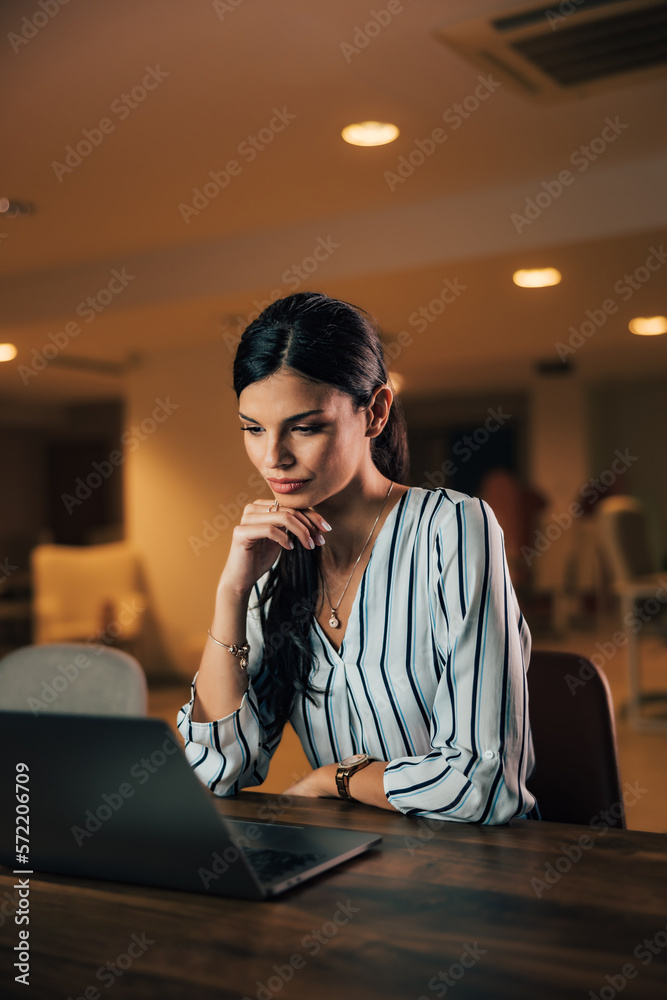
345 771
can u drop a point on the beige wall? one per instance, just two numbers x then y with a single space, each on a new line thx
191 461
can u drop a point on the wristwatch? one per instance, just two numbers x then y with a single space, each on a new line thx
346 768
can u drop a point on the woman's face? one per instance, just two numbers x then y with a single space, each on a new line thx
284 440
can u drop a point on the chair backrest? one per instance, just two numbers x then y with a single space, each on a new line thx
623 533
576 776
72 677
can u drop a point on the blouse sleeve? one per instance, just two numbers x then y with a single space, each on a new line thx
480 731
233 752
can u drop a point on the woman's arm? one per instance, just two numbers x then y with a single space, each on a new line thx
480 748
229 750
480 730
221 681
365 785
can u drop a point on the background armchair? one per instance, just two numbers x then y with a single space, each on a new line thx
87 594
636 579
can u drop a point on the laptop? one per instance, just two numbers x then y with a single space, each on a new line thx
114 797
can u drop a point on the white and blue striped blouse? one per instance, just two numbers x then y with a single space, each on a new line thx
431 675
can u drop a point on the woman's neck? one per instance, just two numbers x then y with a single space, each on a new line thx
351 514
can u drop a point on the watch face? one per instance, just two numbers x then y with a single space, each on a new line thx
356 758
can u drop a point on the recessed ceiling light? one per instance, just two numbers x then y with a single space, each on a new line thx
370 133
8 352
648 326
538 277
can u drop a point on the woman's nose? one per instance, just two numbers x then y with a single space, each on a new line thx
276 453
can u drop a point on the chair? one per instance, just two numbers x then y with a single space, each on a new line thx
576 774
623 532
87 593
72 677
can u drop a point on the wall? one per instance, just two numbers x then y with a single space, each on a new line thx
187 480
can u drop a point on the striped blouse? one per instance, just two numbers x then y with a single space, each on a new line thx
430 676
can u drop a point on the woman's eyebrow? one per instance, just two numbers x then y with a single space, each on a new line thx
296 416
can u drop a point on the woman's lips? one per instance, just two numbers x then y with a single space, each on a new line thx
288 487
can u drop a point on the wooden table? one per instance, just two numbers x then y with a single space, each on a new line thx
458 910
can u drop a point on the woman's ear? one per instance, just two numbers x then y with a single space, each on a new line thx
378 411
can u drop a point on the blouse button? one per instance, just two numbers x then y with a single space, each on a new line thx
488 754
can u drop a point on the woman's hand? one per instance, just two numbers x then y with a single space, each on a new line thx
319 784
257 540
366 785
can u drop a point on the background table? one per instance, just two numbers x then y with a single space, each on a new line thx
455 902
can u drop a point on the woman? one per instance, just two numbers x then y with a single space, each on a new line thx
395 645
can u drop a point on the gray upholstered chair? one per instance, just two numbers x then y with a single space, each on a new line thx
72 678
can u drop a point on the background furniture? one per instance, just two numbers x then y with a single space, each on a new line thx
636 577
82 592
72 677
529 920
572 720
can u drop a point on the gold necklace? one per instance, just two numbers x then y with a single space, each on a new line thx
333 620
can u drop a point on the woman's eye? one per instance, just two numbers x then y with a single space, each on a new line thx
307 429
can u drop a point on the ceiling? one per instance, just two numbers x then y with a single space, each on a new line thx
223 72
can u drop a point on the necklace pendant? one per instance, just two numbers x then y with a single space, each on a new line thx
333 621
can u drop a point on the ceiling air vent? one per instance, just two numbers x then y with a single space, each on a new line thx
568 49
